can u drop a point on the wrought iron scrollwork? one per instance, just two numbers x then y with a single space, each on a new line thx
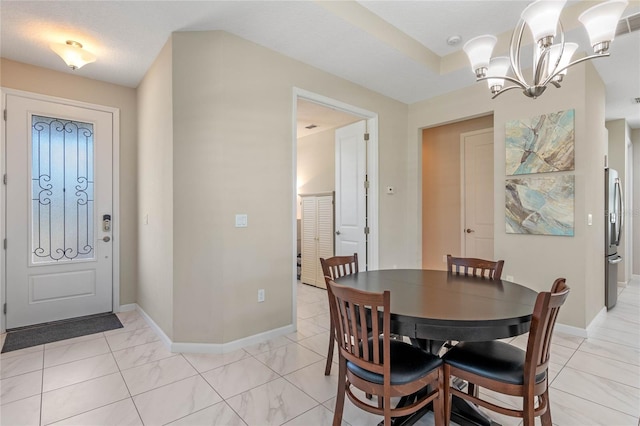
62 220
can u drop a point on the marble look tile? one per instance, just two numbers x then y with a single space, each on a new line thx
172 402
20 352
73 340
323 320
559 354
570 410
312 381
352 414
21 364
19 387
318 416
269 345
613 370
3 337
78 371
219 414
273 403
566 340
288 358
75 352
141 354
76 399
320 345
611 350
206 362
157 373
313 309
599 390
25 412
121 413
233 379
131 338
130 326
630 337
305 329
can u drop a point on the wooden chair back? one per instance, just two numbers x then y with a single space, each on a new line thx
545 313
476 267
339 266
352 310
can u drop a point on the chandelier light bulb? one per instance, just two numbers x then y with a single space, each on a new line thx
542 17
601 21
498 67
479 51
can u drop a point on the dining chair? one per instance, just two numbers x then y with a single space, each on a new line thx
334 268
379 365
506 369
475 267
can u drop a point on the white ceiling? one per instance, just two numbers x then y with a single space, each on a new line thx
396 48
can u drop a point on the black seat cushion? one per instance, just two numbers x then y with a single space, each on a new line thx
408 363
494 360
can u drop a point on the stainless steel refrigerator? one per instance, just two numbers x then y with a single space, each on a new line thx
614 217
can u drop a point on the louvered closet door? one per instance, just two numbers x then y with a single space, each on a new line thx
308 241
325 234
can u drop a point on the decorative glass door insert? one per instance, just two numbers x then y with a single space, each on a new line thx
62 190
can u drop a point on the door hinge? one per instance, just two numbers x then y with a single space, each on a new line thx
366 230
4 114
366 136
366 184
4 309
4 244
4 179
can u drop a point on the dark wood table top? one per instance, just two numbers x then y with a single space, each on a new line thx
438 305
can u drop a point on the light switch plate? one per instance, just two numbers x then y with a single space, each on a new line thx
241 221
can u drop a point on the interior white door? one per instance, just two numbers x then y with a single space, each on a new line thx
59 207
351 193
478 194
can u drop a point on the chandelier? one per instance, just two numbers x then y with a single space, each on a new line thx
550 61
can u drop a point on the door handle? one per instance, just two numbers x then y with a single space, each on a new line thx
469 230
337 232
106 239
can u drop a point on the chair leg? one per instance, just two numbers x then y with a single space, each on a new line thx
342 377
332 342
446 395
528 405
439 404
546 416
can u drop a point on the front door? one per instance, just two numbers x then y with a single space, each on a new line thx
59 211
478 194
351 192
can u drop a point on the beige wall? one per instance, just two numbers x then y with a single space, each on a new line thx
441 209
535 260
316 158
233 152
155 182
19 76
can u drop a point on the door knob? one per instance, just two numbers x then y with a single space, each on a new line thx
337 232
106 239
469 230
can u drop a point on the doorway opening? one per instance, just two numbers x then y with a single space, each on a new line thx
315 158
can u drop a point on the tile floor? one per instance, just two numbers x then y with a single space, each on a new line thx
127 377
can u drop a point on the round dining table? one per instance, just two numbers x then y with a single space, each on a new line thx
431 307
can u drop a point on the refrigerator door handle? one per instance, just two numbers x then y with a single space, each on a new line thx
616 260
620 212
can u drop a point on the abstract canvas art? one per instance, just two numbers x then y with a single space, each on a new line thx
540 205
541 144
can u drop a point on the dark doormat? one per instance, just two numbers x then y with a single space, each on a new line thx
33 335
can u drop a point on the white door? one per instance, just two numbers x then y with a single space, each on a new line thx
351 194
59 207
478 194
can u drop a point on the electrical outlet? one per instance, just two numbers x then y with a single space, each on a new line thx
261 295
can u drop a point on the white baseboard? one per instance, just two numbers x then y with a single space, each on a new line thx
127 308
213 348
571 330
597 319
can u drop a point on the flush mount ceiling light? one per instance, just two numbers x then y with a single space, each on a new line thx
550 61
73 54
